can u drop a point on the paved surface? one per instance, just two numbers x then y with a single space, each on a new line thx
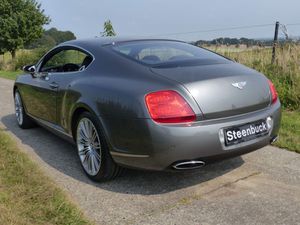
259 188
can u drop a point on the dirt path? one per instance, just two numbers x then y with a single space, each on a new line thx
259 188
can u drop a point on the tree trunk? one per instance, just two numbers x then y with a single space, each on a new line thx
13 54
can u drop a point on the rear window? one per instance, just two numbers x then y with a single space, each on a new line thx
163 53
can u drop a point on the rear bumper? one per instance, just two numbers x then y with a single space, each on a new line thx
147 145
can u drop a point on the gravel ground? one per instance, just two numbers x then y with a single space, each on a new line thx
262 187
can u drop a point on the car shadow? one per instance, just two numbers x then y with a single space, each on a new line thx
62 156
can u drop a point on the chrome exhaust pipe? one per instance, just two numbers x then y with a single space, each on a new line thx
274 139
188 165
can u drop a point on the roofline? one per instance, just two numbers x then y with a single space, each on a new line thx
105 41
142 39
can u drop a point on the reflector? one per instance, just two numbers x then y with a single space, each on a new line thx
169 107
273 92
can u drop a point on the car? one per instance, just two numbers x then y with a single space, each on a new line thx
150 104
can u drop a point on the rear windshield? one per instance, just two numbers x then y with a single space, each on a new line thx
167 53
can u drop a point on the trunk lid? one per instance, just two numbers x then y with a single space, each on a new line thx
214 88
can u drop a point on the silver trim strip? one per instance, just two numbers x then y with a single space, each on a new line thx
50 125
128 155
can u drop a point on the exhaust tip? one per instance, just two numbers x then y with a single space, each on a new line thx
188 165
274 139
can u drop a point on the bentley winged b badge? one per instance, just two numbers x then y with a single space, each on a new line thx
239 85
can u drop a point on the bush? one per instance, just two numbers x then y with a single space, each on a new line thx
24 57
286 84
7 65
28 57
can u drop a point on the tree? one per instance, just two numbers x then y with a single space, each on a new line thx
60 36
2 50
45 41
21 22
108 29
51 38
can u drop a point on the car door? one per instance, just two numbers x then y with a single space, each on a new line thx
54 73
40 98
40 95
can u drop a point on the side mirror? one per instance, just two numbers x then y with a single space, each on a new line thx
29 69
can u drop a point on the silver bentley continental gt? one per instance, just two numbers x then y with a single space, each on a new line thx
151 104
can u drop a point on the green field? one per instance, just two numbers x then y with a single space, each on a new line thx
12 75
27 196
289 134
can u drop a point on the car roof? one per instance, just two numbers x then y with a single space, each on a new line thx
103 41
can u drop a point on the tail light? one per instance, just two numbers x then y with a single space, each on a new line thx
169 107
273 92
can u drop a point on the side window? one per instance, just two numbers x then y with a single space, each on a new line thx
66 61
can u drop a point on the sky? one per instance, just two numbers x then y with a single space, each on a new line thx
193 19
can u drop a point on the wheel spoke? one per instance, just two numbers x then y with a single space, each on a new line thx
93 163
90 128
83 151
83 137
83 131
83 142
90 161
94 136
97 161
97 156
84 160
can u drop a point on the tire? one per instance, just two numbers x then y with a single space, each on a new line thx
93 151
23 120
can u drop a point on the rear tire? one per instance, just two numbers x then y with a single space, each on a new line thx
93 150
24 121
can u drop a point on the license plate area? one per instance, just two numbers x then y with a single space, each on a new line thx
245 132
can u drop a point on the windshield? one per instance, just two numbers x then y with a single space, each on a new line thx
167 53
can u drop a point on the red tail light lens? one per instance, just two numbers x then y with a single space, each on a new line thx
169 107
273 92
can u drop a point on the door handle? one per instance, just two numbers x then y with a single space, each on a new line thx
54 85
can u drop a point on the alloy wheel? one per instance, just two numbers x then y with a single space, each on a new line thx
89 147
18 108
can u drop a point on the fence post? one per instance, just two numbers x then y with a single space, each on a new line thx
275 42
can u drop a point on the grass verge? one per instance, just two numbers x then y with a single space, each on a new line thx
12 75
27 196
289 134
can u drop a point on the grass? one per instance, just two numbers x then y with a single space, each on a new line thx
27 196
12 75
289 134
